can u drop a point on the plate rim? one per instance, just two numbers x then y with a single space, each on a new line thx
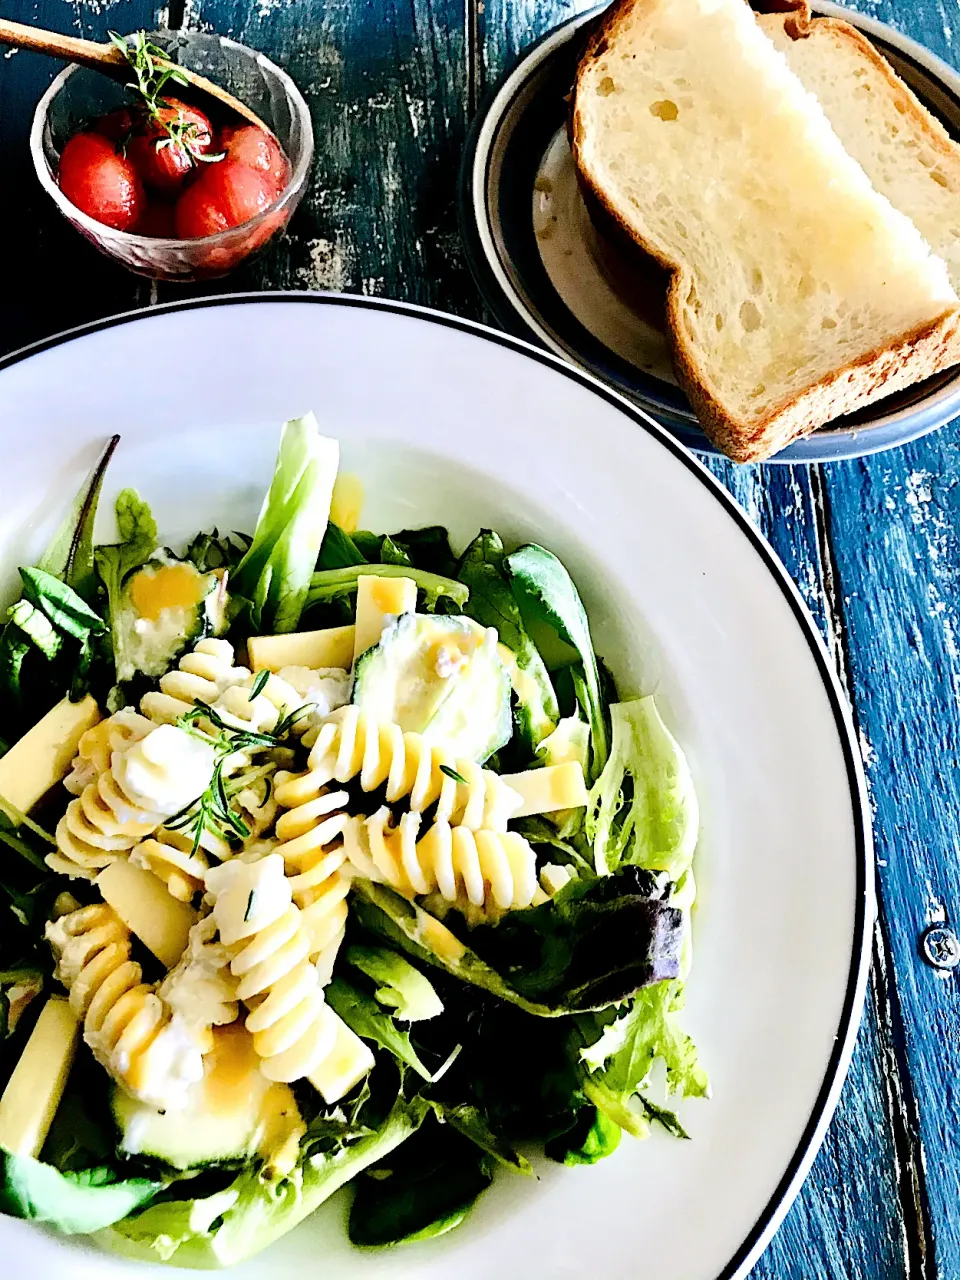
889 431
811 1138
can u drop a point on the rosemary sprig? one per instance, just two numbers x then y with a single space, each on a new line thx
452 773
259 684
152 72
212 811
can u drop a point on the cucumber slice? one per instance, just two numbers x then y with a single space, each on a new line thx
233 1114
441 677
165 607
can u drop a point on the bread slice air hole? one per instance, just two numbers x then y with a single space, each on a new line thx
606 87
750 316
664 109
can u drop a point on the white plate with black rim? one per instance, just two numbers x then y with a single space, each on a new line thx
547 274
448 422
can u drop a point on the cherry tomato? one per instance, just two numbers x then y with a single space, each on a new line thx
257 150
100 182
162 161
118 125
157 220
224 194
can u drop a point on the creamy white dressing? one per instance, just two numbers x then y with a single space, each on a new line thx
175 1063
326 687
200 990
249 896
166 770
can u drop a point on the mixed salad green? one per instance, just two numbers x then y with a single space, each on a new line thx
553 1027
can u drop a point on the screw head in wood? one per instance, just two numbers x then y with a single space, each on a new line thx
940 947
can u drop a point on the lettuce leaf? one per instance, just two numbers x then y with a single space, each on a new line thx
335 584
401 987
251 1213
643 808
541 582
364 1016
69 556
621 1057
592 1137
275 573
595 942
84 1201
493 604
425 1190
138 541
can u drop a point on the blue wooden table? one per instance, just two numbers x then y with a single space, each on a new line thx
873 545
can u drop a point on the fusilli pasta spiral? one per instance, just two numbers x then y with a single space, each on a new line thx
350 745
126 1025
202 675
174 862
293 1028
275 700
310 835
495 869
98 744
148 782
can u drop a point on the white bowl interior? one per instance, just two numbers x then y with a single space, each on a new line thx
444 425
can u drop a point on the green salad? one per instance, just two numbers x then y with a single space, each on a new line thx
327 857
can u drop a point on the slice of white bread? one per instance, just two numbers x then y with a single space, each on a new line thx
907 154
797 292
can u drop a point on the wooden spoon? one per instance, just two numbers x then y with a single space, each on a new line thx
108 59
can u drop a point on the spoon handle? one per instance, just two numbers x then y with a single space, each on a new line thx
108 59
87 52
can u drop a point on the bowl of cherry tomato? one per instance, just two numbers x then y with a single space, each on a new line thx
171 185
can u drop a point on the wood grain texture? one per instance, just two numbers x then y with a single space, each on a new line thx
894 523
848 1220
387 85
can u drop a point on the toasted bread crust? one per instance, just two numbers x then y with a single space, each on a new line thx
915 356
910 358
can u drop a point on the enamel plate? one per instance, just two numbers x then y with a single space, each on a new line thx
447 422
546 273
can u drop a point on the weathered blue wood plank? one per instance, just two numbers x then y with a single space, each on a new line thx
848 1220
387 85
54 279
895 525
896 531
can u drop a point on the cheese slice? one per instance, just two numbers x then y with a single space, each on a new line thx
436 937
332 647
42 757
378 599
345 1065
146 907
559 786
33 1092
347 501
